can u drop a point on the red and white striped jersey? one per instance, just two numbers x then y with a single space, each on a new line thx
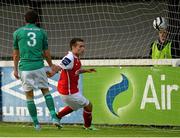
68 81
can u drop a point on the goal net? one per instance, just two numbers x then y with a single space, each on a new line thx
111 29
116 33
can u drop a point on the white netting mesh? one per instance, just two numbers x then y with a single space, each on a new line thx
112 30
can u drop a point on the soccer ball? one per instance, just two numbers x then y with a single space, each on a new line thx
160 23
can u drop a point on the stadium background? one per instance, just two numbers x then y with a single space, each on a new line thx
111 29
124 33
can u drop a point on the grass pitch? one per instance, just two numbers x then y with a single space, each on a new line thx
24 130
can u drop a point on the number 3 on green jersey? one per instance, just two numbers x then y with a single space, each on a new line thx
32 39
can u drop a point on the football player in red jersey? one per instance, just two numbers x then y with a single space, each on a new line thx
70 67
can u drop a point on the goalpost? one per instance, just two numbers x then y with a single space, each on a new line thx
116 32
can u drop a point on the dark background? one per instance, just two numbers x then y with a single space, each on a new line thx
112 29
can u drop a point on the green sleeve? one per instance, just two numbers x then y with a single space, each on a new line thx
15 40
45 41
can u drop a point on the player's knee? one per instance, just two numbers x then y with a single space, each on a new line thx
29 95
89 107
45 91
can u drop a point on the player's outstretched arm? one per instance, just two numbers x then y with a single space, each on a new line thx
85 71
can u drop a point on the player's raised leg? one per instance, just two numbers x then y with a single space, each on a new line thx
66 110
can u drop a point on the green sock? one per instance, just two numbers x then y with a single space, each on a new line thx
50 104
32 111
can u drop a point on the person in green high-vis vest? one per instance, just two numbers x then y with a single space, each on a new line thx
162 48
30 47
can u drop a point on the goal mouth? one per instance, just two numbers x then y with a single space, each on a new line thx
111 29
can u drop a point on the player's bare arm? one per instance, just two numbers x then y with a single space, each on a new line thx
47 56
16 60
85 71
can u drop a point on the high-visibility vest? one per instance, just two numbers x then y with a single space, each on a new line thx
165 53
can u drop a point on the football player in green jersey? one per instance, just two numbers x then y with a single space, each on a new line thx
30 48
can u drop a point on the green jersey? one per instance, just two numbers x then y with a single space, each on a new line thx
31 41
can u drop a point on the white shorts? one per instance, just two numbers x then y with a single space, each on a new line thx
35 79
75 101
